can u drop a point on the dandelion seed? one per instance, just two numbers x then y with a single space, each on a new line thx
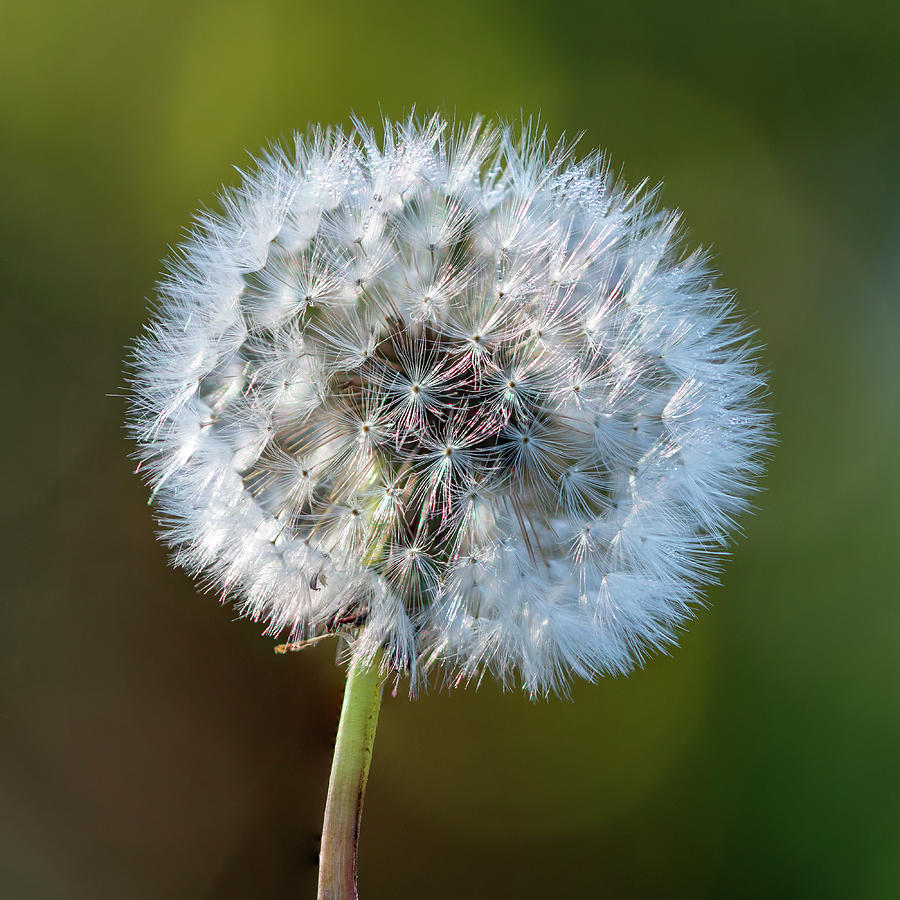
453 395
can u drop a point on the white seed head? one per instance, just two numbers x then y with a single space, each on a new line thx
454 396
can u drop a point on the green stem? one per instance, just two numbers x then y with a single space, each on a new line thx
347 785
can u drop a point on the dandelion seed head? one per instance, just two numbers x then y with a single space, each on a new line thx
454 395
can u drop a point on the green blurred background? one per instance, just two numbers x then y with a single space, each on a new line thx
154 748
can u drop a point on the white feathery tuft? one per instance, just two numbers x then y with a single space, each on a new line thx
453 396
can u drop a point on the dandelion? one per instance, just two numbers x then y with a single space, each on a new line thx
455 397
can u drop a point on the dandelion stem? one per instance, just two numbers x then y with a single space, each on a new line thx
347 785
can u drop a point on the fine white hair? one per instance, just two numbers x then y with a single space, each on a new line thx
451 394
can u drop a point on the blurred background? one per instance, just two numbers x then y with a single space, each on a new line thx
154 748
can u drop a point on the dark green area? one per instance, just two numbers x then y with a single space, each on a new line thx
153 748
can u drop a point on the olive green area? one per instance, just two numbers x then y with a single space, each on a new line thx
152 747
